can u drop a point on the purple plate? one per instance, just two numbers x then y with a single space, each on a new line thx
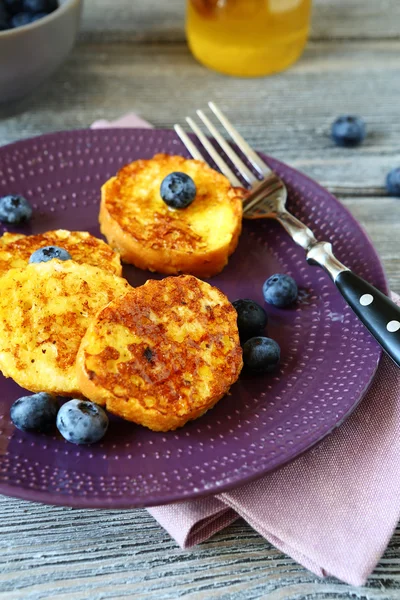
328 358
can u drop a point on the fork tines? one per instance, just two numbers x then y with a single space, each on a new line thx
248 176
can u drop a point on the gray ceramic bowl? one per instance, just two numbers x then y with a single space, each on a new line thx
29 54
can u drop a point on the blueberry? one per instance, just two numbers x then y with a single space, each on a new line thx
48 253
14 209
13 6
4 18
37 17
280 290
34 6
35 413
393 182
348 131
261 354
51 6
82 422
252 318
21 19
178 190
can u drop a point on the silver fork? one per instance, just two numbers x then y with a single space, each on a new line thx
267 199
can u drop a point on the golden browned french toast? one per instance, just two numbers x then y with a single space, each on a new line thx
15 249
45 309
150 235
163 354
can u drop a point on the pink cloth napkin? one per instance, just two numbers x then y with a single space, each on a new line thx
335 508
129 120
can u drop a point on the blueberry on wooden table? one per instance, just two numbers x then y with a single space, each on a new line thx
348 131
35 413
393 182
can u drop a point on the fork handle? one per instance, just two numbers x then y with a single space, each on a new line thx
379 314
376 311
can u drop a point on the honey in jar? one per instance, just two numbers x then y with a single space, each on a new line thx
248 37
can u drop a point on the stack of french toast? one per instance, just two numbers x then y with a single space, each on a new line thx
160 354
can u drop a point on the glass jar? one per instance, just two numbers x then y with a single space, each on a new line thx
248 37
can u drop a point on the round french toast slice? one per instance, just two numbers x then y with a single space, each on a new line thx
147 233
16 249
45 309
163 354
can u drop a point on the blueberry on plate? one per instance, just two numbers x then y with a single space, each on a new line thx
178 190
14 209
48 253
35 413
82 422
280 290
252 318
393 182
261 354
348 131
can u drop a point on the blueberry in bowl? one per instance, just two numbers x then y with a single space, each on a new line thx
39 6
20 19
17 13
4 18
36 37
12 7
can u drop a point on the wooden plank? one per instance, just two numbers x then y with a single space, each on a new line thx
154 20
288 115
380 218
52 552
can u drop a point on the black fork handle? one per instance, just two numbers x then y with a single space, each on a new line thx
380 315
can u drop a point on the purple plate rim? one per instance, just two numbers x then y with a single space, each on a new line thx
56 499
53 499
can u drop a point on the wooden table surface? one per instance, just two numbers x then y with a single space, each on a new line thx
132 55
